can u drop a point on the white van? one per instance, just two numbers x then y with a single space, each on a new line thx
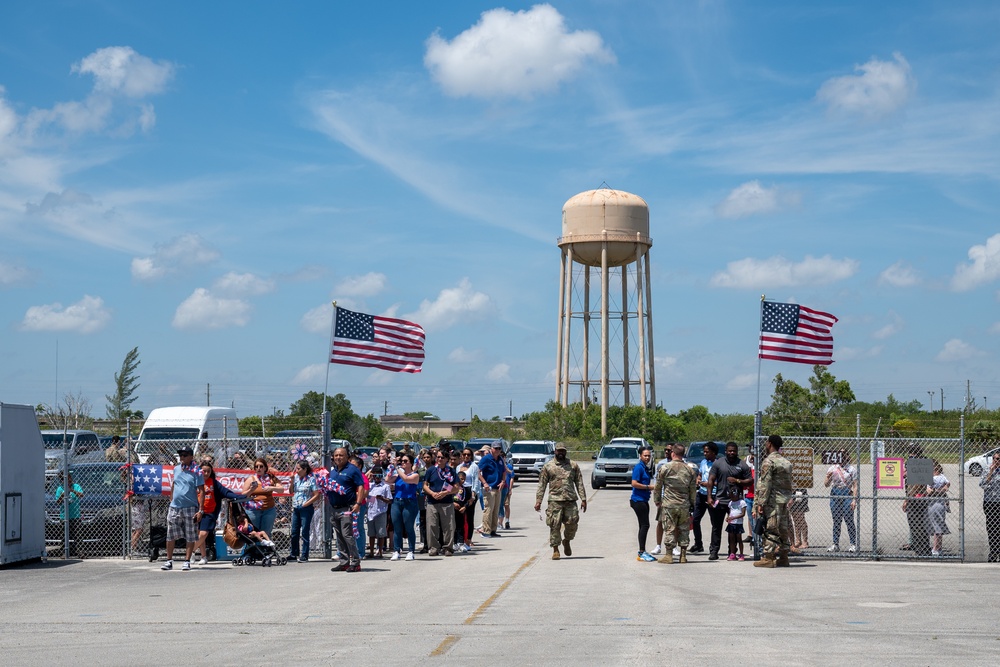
216 425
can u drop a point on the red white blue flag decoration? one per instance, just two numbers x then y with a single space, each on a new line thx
150 480
790 332
377 342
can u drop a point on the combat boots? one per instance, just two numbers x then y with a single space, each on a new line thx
684 555
765 561
569 552
555 553
668 557
783 561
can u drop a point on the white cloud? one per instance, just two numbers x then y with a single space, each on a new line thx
181 252
957 350
665 362
984 268
87 315
318 319
891 329
11 274
122 78
509 54
378 379
499 373
243 284
119 69
742 381
369 284
8 117
453 305
880 88
854 353
310 375
752 198
780 272
462 356
203 310
899 274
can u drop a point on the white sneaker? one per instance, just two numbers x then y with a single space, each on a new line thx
202 562
169 565
395 555
677 551
853 548
187 565
833 548
409 555
935 553
656 550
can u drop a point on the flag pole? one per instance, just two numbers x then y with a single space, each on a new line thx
760 324
329 352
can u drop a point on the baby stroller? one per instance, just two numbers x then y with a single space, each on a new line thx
254 550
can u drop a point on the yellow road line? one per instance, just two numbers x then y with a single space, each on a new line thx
491 599
445 645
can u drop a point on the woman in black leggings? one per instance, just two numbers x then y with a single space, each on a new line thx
642 484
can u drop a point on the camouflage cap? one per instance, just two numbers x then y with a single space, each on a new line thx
561 446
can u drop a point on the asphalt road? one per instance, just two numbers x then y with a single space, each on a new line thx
506 603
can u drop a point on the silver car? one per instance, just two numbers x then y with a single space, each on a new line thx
613 464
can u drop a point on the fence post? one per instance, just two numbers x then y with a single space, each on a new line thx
857 504
67 488
874 465
327 526
961 487
757 428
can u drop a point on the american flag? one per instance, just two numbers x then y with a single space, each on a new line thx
377 342
150 480
790 332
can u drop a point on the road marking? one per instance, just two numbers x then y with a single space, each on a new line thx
445 645
491 599
450 640
592 495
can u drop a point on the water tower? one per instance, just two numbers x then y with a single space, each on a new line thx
605 235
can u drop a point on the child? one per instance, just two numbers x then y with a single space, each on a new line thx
379 498
734 521
460 504
247 529
937 492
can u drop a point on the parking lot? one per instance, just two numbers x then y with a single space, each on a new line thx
507 602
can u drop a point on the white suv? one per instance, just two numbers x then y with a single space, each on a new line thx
529 456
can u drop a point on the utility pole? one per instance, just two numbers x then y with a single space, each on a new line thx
208 394
942 399
385 409
510 408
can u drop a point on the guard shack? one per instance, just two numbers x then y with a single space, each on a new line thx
22 485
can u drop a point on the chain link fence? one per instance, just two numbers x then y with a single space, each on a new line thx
106 509
893 498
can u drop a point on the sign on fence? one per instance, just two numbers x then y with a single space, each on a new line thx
919 471
835 457
801 459
890 473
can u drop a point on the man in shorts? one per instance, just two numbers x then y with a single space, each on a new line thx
183 515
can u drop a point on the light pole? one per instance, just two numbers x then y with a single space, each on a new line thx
931 404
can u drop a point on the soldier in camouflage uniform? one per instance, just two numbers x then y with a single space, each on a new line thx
674 494
565 483
774 490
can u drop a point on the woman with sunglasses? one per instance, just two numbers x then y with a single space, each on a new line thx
405 482
261 486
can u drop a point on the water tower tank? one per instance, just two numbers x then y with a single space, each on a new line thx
622 215
604 294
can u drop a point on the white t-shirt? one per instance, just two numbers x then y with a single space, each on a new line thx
843 476
736 508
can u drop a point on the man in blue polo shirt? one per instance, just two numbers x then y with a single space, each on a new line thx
184 513
345 488
439 485
491 474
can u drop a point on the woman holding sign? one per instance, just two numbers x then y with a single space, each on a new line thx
842 479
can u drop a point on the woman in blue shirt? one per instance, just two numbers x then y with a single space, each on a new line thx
642 484
405 481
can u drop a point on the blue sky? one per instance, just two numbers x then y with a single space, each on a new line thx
201 180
